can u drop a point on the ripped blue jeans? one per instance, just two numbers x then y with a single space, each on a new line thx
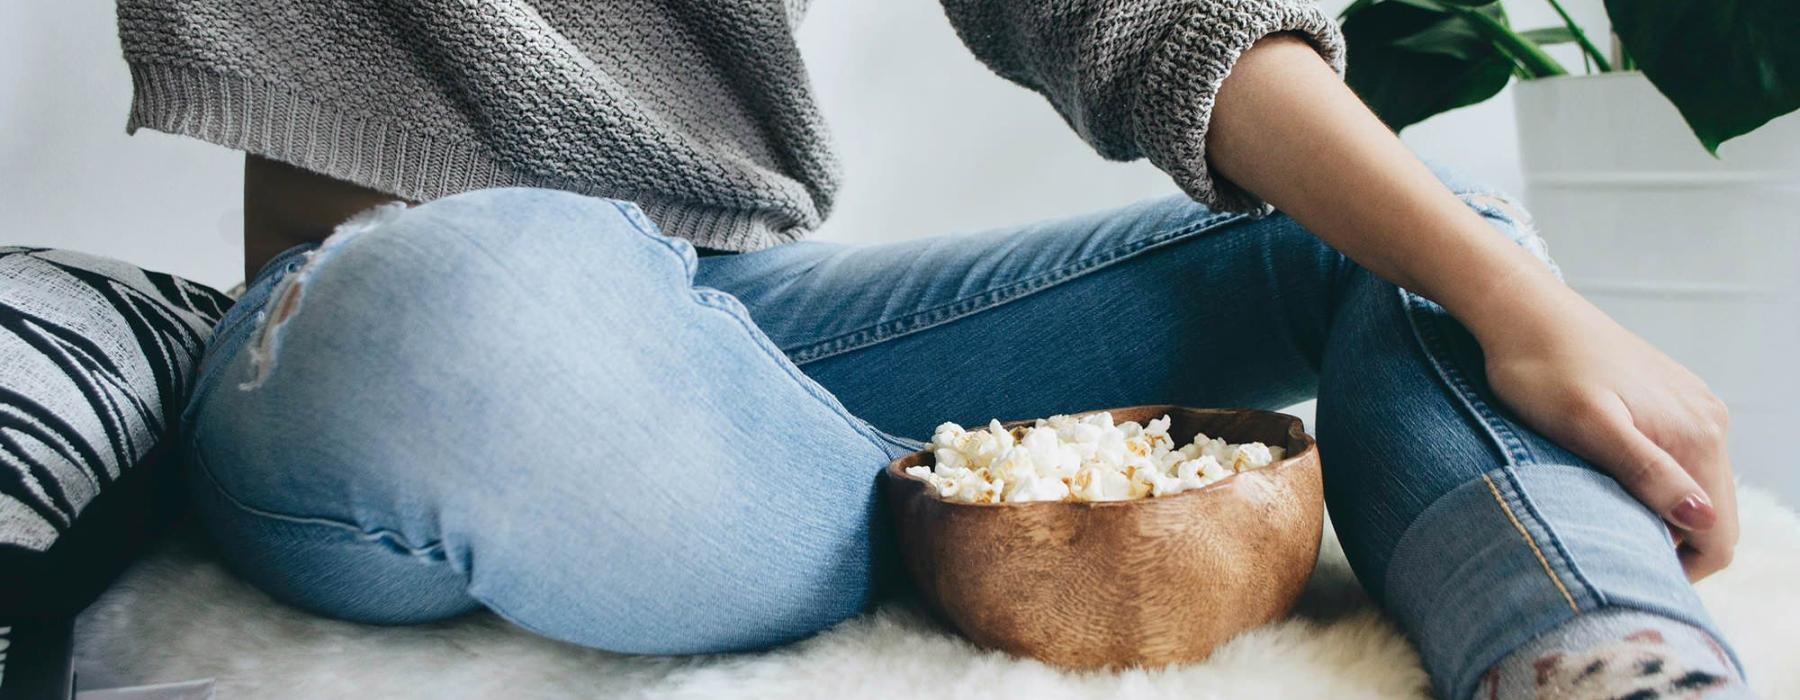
532 402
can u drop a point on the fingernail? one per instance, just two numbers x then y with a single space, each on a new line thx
1693 513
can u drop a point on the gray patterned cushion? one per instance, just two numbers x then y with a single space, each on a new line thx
96 359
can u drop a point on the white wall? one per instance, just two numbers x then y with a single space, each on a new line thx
70 178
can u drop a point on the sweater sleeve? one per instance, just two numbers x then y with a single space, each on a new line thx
1137 78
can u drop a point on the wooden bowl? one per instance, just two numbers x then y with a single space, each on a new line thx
1146 582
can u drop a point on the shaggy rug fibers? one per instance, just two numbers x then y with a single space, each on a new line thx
178 616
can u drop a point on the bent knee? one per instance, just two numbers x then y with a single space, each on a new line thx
408 311
458 274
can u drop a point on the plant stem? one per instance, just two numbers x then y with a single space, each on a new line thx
1587 47
1532 59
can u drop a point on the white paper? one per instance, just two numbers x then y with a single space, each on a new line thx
185 690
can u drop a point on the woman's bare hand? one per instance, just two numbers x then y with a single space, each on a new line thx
1584 381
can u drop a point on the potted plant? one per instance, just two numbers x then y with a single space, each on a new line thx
1661 170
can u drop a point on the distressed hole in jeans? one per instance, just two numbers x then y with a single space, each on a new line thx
1526 232
1505 206
289 294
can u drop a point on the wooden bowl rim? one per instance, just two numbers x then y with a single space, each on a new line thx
1296 431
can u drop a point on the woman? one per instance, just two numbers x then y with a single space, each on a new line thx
619 403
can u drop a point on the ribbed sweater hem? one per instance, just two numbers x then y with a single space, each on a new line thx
275 122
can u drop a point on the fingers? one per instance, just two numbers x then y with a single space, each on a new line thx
1691 488
1648 471
1699 444
1706 553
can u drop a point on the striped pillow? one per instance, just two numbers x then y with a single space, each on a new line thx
97 358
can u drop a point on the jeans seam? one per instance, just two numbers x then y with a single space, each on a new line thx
1425 332
1513 449
1530 542
210 377
1585 584
987 299
635 216
431 551
732 308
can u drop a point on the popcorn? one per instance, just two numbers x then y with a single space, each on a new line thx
1065 458
1096 482
1035 488
1250 456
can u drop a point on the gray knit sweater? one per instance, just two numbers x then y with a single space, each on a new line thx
699 110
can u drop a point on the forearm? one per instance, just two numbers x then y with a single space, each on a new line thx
1286 128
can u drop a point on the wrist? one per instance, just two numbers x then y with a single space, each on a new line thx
1525 305
1497 289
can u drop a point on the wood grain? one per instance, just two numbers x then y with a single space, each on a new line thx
1131 583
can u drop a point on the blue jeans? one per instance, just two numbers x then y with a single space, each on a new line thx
532 402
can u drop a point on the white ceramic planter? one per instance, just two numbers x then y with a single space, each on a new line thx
1699 255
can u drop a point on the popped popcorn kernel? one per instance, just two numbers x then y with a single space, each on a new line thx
1090 458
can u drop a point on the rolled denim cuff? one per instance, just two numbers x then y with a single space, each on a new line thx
1507 557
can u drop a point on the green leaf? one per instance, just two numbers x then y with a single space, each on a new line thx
1354 7
1453 39
1409 61
1549 35
1729 65
1528 58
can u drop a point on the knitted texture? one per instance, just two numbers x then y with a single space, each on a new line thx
698 110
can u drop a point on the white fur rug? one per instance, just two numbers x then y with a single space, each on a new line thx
179 616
